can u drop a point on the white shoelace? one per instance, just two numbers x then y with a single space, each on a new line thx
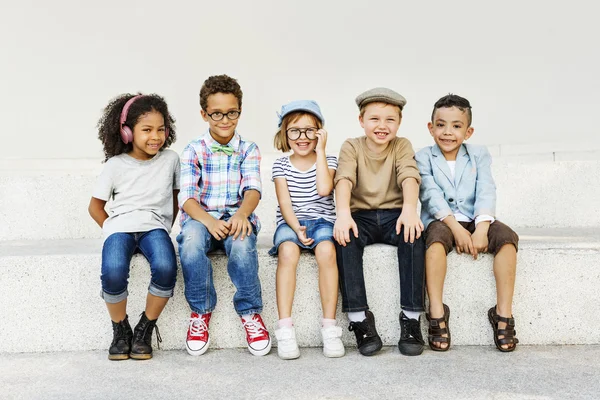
254 329
197 326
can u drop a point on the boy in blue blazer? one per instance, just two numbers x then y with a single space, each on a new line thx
458 198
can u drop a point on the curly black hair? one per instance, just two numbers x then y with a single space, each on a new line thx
453 100
109 128
220 84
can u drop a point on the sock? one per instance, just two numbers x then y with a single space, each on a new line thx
326 322
285 323
412 314
357 316
247 317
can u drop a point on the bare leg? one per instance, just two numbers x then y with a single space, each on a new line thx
154 306
117 311
287 262
435 272
328 278
505 267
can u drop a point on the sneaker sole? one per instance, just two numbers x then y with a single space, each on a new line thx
288 356
140 356
371 349
118 357
334 354
263 352
417 351
197 352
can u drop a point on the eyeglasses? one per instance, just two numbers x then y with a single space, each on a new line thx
231 115
295 133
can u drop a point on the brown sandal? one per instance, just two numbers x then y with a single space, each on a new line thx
509 332
435 332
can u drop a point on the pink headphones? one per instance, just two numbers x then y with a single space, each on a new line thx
126 133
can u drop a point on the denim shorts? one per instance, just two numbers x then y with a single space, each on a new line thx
317 229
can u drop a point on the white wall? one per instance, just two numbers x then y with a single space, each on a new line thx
530 68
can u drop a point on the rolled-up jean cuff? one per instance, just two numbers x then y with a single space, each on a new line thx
250 312
413 309
200 311
354 309
114 298
158 292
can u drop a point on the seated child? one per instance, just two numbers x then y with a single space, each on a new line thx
305 217
141 180
377 190
458 197
220 189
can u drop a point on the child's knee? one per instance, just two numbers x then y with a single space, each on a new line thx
114 278
288 253
193 239
325 252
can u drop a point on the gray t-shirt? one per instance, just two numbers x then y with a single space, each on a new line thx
141 192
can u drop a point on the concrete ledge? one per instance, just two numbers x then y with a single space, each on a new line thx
50 295
529 195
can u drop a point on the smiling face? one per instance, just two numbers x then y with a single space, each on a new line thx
303 146
223 130
148 136
450 128
380 122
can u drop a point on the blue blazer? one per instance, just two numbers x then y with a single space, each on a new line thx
472 192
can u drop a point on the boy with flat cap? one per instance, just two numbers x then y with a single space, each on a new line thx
377 188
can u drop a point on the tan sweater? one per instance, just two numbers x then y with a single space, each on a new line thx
376 178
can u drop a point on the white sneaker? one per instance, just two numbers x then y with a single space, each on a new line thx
287 348
332 342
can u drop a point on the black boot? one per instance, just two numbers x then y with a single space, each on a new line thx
121 343
367 339
411 340
141 348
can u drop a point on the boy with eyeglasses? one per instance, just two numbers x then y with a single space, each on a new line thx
220 189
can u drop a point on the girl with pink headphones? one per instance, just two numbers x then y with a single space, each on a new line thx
140 182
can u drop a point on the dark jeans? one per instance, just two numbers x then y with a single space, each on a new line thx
379 226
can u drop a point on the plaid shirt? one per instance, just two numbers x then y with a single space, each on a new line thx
218 181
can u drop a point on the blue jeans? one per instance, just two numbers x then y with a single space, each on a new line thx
195 242
317 229
379 226
117 251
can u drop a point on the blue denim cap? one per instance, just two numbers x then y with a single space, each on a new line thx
309 106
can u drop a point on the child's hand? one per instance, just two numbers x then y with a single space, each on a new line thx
462 238
412 224
219 228
240 226
301 233
341 229
321 140
480 237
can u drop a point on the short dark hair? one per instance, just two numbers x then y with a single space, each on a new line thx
453 100
109 125
220 84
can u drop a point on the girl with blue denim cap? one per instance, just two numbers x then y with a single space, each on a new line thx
305 218
141 181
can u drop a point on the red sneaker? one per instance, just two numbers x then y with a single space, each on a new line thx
257 336
197 335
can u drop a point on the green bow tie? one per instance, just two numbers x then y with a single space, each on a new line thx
221 147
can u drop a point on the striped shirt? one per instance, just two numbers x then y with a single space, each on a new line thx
218 181
306 202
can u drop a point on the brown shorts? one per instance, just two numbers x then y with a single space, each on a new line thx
498 235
